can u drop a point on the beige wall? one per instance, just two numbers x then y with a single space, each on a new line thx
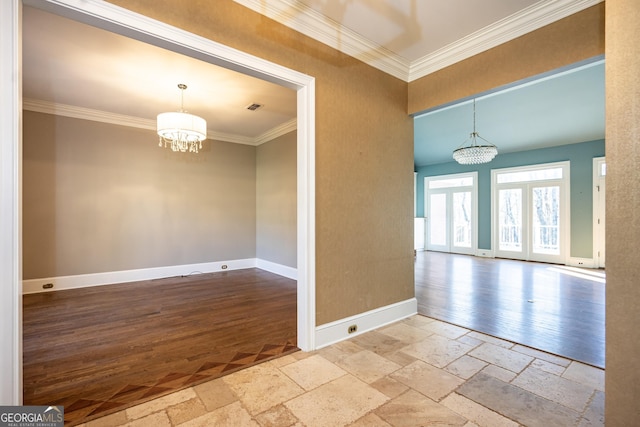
364 154
99 197
623 221
570 40
276 210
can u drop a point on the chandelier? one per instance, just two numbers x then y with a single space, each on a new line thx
472 153
181 131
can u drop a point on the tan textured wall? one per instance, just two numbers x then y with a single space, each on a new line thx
100 197
364 154
572 39
623 221
276 198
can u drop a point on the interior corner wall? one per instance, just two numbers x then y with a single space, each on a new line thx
363 154
276 196
622 84
581 204
101 198
568 41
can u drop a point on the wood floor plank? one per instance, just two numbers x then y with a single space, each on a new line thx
87 348
548 307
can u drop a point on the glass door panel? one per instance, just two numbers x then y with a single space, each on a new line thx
438 221
545 214
510 236
462 219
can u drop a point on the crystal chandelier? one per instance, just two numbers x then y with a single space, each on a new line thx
472 153
181 131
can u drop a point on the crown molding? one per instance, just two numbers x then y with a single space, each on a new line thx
277 131
299 17
302 18
525 21
47 107
72 111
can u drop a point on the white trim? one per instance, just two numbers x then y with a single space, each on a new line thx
306 202
581 262
300 17
65 110
11 202
276 132
33 286
333 332
485 253
272 267
532 18
599 261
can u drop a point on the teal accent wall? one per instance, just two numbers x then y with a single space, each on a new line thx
581 157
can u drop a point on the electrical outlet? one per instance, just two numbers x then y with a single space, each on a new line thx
352 328
224 266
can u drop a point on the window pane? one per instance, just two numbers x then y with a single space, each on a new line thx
438 219
510 220
466 181
603 169
546 220
462 219
531 175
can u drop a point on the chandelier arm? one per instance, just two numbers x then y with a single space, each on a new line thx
489 143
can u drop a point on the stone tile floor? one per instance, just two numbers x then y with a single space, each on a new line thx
415 372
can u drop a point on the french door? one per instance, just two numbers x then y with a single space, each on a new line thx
530 213
599 203
451 210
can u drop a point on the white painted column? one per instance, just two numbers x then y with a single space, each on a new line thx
10 203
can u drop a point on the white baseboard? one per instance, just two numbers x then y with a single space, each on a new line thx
331 333
581 262
486 253
282 270
32 286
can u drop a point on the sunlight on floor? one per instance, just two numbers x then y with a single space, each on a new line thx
593 275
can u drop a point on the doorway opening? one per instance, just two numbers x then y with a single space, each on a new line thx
120 21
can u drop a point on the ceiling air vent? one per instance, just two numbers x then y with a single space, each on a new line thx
254 106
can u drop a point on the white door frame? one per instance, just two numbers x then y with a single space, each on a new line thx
448 191
122 21
565 210
599 220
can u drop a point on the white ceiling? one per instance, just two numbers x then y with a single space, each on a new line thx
81 71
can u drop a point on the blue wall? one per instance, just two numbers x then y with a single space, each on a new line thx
581 157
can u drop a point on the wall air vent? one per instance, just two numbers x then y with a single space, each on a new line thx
254 106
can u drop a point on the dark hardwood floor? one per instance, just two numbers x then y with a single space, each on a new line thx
553 308
101 349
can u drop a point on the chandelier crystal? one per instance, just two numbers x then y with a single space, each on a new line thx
181 131
473 153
